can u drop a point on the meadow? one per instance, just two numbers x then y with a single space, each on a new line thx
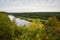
40 28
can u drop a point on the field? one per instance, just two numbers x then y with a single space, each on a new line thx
43 26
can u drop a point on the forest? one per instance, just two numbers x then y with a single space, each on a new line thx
49 29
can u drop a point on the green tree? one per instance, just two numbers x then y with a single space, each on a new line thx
51 28
7 28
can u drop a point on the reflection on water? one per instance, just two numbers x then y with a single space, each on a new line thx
18 21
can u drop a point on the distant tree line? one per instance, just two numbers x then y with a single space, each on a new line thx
43 15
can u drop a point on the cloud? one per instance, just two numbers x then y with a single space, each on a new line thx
30 5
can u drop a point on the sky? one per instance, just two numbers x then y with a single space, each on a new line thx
30 5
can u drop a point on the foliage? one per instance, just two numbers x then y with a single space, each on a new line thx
6 28
52 25
50 30
34 32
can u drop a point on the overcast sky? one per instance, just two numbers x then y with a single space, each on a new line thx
30 5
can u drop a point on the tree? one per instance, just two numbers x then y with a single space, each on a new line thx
7 28
51 28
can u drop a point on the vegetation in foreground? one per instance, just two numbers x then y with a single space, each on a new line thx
50 30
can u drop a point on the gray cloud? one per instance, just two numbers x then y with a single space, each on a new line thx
29 5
